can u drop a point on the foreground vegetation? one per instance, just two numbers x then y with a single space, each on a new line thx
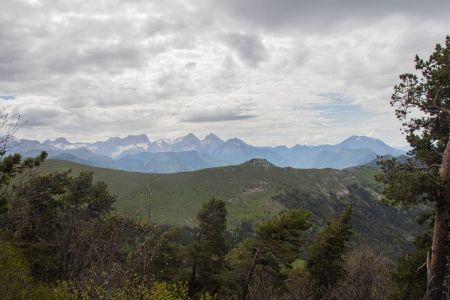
60 241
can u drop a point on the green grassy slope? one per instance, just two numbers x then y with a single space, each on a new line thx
256 190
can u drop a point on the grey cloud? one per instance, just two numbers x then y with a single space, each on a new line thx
175 81
58 38
318 14
227 79
113 58
61 38
14 53
42 116
249 47
217 114
102 69
160 25
111 98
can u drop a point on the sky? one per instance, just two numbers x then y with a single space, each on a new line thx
269 72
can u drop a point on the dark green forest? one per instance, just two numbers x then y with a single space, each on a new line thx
60 237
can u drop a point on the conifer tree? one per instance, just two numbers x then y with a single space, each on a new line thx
326 256
11 164
10 167
209 248
47 219
422 103
410 274
276 244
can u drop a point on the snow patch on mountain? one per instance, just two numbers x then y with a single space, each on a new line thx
140 147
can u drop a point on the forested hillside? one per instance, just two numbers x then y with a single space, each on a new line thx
255 191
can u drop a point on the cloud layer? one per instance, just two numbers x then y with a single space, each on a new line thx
272 72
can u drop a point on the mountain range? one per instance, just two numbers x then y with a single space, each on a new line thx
189 153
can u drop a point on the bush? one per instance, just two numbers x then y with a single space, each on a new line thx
15 277
131 291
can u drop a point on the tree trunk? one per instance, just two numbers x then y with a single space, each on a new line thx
193 279
437 263
248 278
448 269
438 259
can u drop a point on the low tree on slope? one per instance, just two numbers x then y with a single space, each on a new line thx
325 262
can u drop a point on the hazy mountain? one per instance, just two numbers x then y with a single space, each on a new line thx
237 151
116 147
187 143
72 158
167 162
361 142
81 155
187 153
160 146
345 158
211 142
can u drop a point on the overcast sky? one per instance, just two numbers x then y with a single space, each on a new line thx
270 72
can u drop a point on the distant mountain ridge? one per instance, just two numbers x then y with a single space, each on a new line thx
189 153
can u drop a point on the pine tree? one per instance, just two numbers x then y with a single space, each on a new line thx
326 256
422 103
410 274
10 167
209 249
52 218
276 244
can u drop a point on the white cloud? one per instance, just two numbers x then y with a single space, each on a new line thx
87 71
